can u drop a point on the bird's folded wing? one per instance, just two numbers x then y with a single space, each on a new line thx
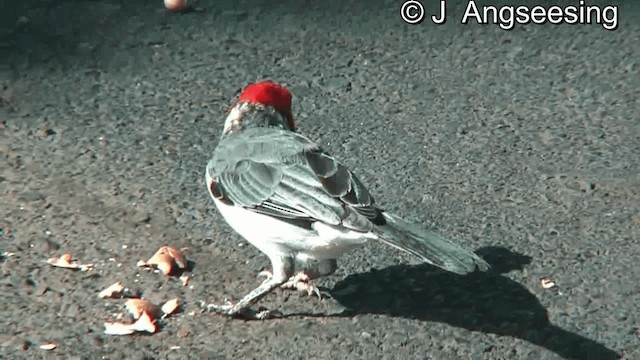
285 175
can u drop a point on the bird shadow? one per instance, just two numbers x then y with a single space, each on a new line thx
483 301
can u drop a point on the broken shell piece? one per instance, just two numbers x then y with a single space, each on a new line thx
137 307
176 5
146 323
112 291
66 261
170 307
174 253
117 328
63 261
164 263
48 346
547 283
66 258
178 256
164 259
185 278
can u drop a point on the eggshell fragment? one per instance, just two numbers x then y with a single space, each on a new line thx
66 258
48 346
170 307
137 307
118 328
165 260
113 290
66 261
175 5
547 283
144 323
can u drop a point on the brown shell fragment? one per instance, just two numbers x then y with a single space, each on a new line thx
170 307
547 283
162 261
66 261
118 328
165 259
113 290
48 346
144 323
137 307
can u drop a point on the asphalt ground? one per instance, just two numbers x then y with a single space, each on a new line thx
521 144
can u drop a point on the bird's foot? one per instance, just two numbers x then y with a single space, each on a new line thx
300 282
231 310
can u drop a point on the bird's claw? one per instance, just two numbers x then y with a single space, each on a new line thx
226 309
265 274
302 282
264 314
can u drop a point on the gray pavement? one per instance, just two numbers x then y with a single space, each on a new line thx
522 144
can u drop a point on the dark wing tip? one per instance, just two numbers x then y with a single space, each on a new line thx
216 191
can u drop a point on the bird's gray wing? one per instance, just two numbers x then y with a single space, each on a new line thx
285 175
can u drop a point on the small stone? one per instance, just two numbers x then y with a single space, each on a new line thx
337 83
42 289
620 316
183 332
485 348
30 195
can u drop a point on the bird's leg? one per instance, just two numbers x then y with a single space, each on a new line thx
282 270
302 280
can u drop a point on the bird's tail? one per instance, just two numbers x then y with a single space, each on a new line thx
428 246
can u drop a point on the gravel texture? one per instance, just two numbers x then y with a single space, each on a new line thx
523 144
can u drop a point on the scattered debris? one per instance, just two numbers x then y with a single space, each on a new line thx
114 290
48 346
144 312
66 261
547 283
165 259
144 323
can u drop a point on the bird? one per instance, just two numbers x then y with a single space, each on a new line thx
299 205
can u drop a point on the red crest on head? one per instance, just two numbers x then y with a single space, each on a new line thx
272 94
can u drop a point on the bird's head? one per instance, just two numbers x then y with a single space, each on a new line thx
261 104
